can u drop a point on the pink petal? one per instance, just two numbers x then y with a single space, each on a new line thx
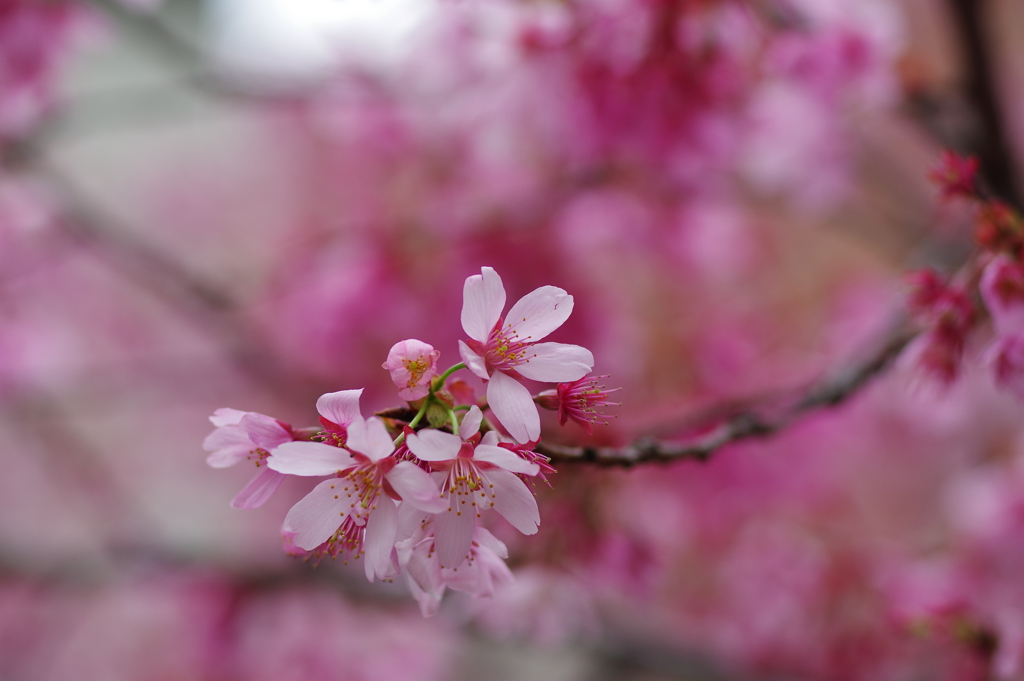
483 299
539 312
484 538
229 445
414 485
513 500
453 533
370 437
556 363
341 407
264 431
490 438
379 539
434 445
471 423
309 458
259 489
503 458
513 406
317 516
227 417
474 362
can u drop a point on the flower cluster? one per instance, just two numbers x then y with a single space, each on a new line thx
411 496
948 311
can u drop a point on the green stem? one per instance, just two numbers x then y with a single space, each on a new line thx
455 421
415 419
439 381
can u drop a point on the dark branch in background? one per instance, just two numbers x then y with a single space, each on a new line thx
746 424
990 139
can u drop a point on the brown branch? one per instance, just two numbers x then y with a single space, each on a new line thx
747 424
991 141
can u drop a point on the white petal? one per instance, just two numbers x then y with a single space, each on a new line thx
317 516
504 458
473 361
370 438
434 445
309 458
414 485
259 489
513 500
471 423
453 532
379 539
512 404
539 312
483 299
556 363
341 407
490 438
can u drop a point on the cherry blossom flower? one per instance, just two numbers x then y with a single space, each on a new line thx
413 364
483 569
244 435
1002 289
501 352
955 175
355 512
578 401
480 475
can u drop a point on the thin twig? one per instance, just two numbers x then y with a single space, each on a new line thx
747 424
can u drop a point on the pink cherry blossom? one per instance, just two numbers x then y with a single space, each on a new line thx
578 401
413 364
247 435
1002 289
483 569
368 482
501 352
480 475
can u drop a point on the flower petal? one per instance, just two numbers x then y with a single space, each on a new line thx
556 363
512 404
264 431
471 423
434 445
453 533
484 538
483 299
228 445
415 486
513 500
379 540
341 407
474 362
539 312
370 437
309 458
259 489
506 459
317 516
227 417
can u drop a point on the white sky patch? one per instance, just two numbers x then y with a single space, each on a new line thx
289 41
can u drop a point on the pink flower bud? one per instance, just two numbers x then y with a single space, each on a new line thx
413 364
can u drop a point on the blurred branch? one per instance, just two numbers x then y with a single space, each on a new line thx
991 140
749 423
171 282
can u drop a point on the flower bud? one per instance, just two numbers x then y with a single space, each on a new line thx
413 364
